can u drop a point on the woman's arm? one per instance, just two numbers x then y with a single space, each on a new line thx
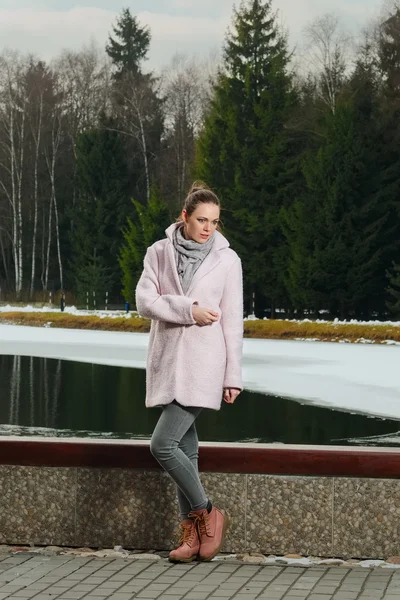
151 304
232 325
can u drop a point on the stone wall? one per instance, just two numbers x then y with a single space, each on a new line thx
319 516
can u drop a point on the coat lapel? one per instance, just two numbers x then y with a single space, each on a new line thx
171 254
209 263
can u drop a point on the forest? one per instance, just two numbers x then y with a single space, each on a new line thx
301 144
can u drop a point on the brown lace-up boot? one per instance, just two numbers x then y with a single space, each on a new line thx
212 528
189 543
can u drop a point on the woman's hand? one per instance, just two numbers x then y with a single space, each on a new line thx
230 395
203 316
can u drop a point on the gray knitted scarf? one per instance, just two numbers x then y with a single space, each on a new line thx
189 256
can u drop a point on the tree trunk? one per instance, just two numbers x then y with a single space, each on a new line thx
15 391
3 254
46 273
15 229
35 217
20 224
144 151
32 391
57 232
43 253
55 142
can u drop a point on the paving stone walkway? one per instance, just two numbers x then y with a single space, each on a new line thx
72 578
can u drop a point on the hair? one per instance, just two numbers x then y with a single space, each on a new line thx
199 193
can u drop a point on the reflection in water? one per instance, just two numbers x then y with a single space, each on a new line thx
31 389
40 396
15 389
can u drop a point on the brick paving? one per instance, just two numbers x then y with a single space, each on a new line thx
75 578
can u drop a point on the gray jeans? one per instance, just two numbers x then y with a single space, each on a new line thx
175 446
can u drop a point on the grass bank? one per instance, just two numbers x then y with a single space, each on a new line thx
326 332
68 321
272 329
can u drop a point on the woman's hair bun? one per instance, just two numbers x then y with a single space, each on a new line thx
199 193
197 186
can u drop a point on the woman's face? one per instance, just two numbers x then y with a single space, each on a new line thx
202 223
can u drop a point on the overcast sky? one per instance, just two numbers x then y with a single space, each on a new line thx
44 27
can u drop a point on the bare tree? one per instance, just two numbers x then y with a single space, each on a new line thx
388 42
51 155
326 54
85 78
186 86
13 110
36 125
138 115
388 8
42 113
184 111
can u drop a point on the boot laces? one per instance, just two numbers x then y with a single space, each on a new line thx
187 534
202 523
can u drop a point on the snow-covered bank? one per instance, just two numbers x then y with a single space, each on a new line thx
355 378
72 310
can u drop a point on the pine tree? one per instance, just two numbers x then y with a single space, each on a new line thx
101 209
245 153
341 229
394 290
296 218
93 277
131 46
297 223
146 226
389 118
137 106
344 268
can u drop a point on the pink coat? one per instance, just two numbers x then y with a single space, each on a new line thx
187 362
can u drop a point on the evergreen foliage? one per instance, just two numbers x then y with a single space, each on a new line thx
346 216
137 106
92 280
393 303
339 230
244 152
130 44
101 210
388 167
145 226
307 168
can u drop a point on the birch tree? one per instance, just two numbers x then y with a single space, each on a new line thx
52 148
139 118
327 52
13 110
185 86
37 80
85 78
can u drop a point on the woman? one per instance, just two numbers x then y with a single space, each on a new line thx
191 288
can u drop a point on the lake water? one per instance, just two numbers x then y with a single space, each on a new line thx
65 398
